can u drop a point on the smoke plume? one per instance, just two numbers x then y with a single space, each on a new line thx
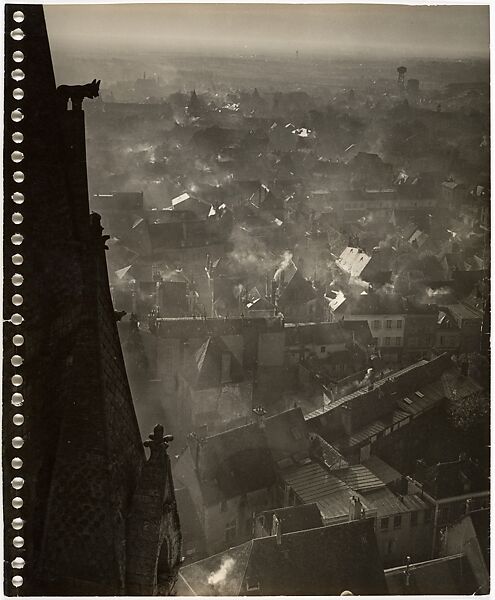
219 576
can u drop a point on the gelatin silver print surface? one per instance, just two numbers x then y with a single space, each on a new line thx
246 300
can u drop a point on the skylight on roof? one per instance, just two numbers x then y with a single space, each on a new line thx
408 400
419 394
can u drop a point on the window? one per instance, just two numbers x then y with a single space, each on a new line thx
414 519
322 349
387 341
398 341
397 521
377 324
223 506
384 523
252 585
376 341
427 517
389 324
230 531
390 546
399 324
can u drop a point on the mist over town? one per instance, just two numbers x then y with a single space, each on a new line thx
297 205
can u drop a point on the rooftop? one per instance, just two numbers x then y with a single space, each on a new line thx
451 576
313 483
400 382
323 561
294 518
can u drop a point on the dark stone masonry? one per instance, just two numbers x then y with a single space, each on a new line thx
88 485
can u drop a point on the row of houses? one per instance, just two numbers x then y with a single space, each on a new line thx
363 456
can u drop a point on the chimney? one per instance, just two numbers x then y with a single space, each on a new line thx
277 529
407 571
274 293
355 508
467 506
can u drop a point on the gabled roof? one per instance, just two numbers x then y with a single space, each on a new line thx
359 478
450 576
377 304
315 333
243 459
387 503
205 371
287 435
319 562
353 261
453 478
422 379
235 462
298 291
382 470
313 483
360 330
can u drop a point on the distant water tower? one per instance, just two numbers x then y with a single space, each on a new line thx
400 78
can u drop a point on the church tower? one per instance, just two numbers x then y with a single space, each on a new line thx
84 464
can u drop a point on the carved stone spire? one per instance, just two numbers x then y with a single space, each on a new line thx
158 442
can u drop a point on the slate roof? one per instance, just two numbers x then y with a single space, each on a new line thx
359 478
446 479
235 462
313 483
298 291
241 460
432 395
294 518
401 381
377 304
382 470
360 329
315 333
287 435
387 503
323 561
451 576
353 261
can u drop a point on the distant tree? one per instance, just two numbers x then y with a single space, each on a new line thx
471 414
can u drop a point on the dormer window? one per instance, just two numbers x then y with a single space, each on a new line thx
252 585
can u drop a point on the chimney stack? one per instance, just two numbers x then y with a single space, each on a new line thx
467 506
407 572
277 529
355 508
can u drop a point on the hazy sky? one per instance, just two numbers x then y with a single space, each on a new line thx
438 31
